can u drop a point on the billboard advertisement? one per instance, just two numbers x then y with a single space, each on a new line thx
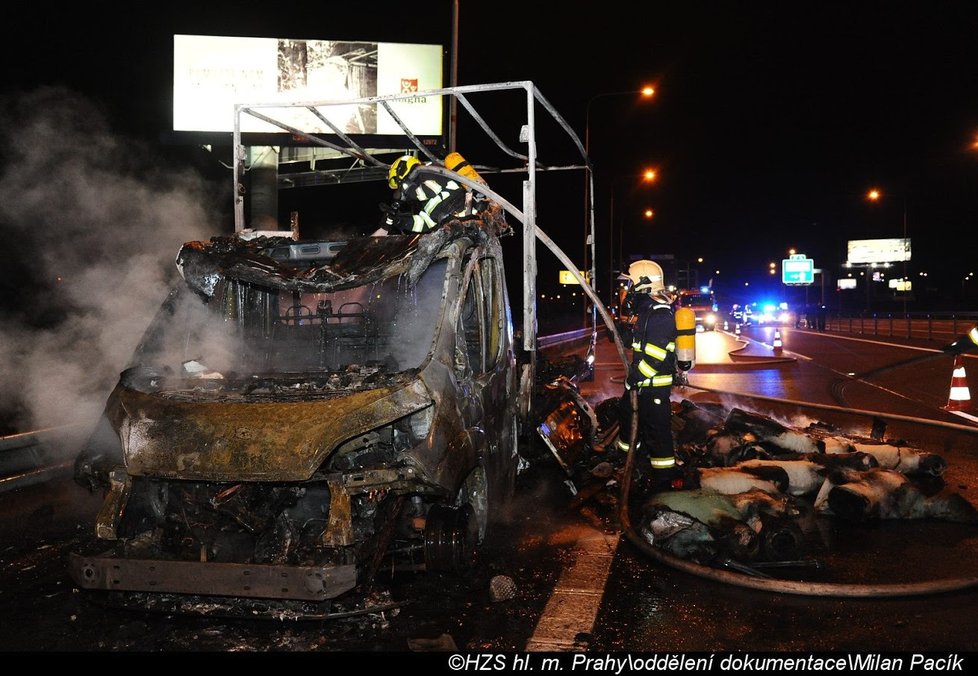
868 251
212 73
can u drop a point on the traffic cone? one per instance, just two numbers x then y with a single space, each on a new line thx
737 329
777 341
725 326
959 398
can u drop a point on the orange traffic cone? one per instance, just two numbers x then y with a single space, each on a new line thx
777 341
737 329
959 398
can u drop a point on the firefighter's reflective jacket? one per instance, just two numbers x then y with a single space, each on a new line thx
653 345
439 198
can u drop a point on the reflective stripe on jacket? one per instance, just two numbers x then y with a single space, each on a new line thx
653 346
438 197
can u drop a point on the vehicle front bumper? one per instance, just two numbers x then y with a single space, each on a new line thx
307 583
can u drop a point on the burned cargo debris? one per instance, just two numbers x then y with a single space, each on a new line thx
300 414
755 487
756 481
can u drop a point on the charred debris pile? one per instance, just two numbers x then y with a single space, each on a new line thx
756 489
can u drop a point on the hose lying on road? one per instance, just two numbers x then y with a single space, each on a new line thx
773 584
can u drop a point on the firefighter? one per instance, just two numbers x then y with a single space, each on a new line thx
651 373
424 199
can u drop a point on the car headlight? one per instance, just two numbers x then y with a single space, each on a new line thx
381 445
419 423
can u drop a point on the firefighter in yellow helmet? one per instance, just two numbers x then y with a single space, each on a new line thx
651 373
423 199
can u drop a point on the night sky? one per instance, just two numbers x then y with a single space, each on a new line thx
770 123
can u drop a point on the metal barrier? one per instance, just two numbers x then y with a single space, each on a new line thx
936 326
29 457
566 337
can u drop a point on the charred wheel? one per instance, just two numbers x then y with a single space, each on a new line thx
450 538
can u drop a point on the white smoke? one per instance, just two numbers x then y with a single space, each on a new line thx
101 220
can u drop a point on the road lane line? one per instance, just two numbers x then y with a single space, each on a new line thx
574 603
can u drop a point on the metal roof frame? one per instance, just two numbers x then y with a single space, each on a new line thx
527 162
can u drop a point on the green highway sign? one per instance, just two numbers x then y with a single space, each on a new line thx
797 270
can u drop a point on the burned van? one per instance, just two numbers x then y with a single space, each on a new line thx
301 414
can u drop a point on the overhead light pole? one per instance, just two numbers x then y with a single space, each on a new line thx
648 176
589 241
875 195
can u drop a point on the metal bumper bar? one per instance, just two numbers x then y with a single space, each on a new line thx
308 583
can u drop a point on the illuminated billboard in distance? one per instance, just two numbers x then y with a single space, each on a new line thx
868 251
846 283
212 73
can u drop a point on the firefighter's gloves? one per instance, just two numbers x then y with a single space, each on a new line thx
634 376
390 211
391 208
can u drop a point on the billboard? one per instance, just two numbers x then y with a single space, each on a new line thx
868 251
212 73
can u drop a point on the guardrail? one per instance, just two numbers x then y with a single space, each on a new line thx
566 337
936 326
28 458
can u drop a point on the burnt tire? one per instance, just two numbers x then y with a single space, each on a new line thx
451 535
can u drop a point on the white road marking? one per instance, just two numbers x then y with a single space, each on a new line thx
573 605
965 415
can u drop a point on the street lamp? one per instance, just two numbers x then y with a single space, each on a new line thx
589 244
875 195
648 176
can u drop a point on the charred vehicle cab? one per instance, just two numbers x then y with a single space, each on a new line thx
302 414
298 410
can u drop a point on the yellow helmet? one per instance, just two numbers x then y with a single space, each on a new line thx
399 170
646 276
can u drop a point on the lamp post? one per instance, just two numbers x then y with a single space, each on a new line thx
874 195
589 244
647 176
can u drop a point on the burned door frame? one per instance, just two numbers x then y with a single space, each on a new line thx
490 343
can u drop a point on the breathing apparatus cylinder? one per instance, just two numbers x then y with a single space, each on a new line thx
685 338
455 162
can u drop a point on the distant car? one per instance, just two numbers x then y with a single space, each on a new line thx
770 314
